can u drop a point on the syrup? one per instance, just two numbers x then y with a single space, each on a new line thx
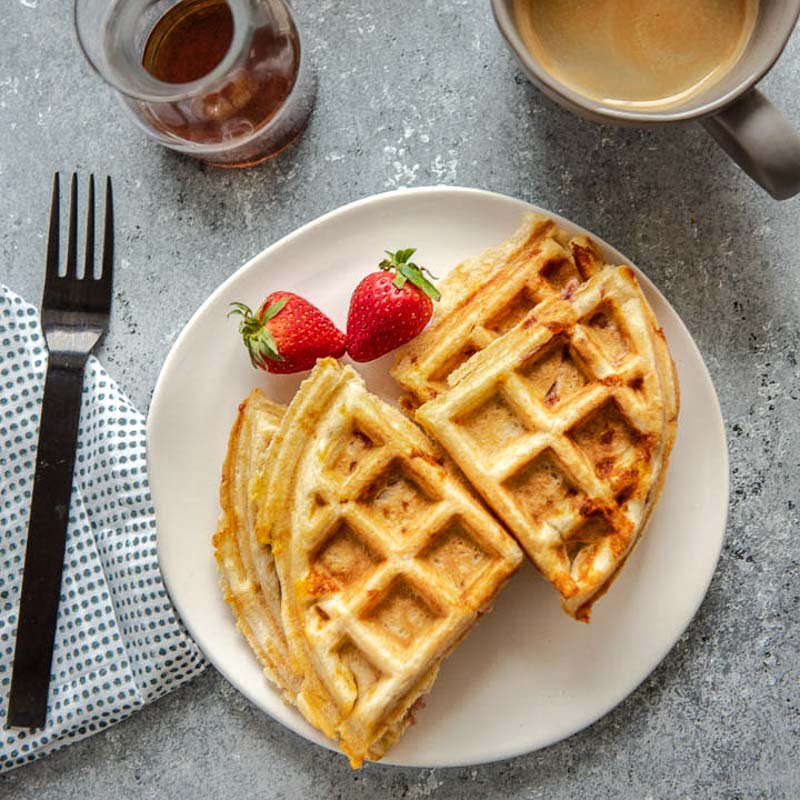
189 41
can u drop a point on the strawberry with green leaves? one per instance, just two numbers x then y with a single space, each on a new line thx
390 307
288 334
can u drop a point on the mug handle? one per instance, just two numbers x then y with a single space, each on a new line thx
761 141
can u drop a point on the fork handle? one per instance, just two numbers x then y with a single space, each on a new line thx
47 536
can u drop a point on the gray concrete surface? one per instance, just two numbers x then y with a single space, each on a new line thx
413 94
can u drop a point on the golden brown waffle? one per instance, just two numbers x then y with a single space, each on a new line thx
565 425
247 569
385 557
484 297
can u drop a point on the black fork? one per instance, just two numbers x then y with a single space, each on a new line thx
75 312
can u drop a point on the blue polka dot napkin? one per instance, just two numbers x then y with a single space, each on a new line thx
119 643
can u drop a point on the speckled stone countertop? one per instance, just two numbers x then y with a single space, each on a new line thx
413 94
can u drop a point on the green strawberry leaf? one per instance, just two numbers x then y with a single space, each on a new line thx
401 256
274 309
260 343
409 271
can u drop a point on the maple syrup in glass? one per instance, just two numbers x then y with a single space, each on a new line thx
227 82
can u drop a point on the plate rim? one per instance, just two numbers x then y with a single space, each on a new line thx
159 391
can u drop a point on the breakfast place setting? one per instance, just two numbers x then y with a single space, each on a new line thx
399 400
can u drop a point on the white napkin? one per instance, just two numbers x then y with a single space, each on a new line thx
119 642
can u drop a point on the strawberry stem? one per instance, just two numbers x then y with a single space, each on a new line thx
409 271
260 343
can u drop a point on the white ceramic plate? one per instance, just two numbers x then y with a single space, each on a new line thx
527 676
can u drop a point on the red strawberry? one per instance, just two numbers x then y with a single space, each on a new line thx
288 334
389 308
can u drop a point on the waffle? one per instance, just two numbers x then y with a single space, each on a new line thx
385 558
565 425
484 297
247 569
248 576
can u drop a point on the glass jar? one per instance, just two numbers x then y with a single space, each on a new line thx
226 81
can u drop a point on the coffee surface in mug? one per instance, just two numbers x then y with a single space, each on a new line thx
639 54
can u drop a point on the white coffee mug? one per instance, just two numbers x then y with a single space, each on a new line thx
739 117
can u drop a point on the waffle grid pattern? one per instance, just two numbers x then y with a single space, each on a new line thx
385 557
390 518
570 467
544 263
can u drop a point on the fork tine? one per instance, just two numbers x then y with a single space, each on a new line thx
52 239
88 262
72 292
72 241
107 275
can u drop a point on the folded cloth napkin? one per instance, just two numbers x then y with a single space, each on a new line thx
119 642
